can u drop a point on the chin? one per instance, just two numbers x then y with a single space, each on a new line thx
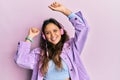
54 43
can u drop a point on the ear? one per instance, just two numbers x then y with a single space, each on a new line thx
62 31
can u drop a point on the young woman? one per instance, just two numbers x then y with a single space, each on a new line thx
58 57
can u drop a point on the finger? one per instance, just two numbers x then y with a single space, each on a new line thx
33 30
54 4
36 30
30 29
51 7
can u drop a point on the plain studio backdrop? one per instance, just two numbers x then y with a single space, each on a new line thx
101 53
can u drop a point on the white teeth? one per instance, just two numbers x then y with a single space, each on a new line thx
53 39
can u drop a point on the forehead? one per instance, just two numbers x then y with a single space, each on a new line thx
50 27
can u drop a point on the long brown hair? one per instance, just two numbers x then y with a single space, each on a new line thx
53 50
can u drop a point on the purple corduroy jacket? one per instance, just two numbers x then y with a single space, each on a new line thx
27 58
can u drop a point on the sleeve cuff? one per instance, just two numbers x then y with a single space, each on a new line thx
72 15
24 44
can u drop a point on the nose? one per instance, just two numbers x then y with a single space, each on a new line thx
52 34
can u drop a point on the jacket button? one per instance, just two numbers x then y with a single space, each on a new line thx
18 43
75 18
71 69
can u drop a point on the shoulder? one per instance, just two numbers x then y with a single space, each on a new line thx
68 43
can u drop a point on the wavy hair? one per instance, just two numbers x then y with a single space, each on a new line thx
54 51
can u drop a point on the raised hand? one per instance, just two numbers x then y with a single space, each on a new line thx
33 32
55 6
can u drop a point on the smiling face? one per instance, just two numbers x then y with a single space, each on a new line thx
52 33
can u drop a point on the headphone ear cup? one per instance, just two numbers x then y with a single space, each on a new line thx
43 36
62 31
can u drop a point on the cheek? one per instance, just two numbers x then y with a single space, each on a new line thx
59 33
48 36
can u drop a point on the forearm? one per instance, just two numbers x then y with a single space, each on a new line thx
24 57
81 31
66 12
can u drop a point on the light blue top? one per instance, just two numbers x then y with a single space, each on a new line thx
56 74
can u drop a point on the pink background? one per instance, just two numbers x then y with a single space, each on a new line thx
101 54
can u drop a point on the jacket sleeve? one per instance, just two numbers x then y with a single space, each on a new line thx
81 31
24 57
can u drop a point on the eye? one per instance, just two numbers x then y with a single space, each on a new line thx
47 33
55 30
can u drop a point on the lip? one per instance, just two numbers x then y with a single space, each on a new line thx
54 39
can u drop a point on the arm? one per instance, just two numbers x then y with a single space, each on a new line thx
81 31
24 57
79 23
